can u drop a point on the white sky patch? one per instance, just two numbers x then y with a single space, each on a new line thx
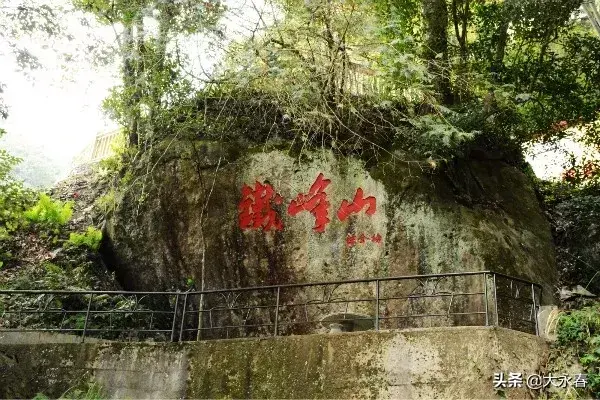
550 161
57 107
60 109
62 117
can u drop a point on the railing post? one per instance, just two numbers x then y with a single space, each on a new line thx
377 304
200 317
277 311
174 316
535 314
495 298
485 295
183 316
87 317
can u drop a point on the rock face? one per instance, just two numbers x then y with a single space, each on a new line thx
184 216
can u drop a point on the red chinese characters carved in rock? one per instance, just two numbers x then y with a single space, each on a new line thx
359 202
314 202
256 209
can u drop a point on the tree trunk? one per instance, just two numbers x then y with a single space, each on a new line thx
155 89
435 18
460 18
497 67
139 73
129 81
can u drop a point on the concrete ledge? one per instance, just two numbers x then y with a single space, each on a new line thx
419 363
42 337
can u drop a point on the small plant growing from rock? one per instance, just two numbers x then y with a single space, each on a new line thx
90 239
84 391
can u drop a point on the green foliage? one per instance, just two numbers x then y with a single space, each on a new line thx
580 330
90 391
48 212
57 278
107 202
518 71
363 101
74 274
7 162
85 391
14 199
151 77
112 165
90 239
358 76
439 135
550 60
574 212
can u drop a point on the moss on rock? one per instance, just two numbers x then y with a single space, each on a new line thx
180 218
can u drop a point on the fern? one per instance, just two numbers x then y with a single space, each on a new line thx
50 212
90 239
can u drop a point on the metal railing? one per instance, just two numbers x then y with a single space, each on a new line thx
454 299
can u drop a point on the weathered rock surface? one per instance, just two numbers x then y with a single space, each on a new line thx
179 219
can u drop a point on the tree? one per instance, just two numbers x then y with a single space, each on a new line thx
19 19
435 20
149 68
14 198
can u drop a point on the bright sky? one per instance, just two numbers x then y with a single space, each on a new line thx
61 110
56 109
550 161
61 116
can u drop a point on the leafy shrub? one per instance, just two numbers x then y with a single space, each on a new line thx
14 199
90 239
107 202
84 391
50 212
58 278
111 165
90 391
574 211
580 330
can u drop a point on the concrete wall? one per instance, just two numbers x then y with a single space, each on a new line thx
42 337
419 363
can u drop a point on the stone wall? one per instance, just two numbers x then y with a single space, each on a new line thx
421 363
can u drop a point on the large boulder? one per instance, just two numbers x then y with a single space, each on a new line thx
188 214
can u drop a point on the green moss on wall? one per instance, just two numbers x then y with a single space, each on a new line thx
421 363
